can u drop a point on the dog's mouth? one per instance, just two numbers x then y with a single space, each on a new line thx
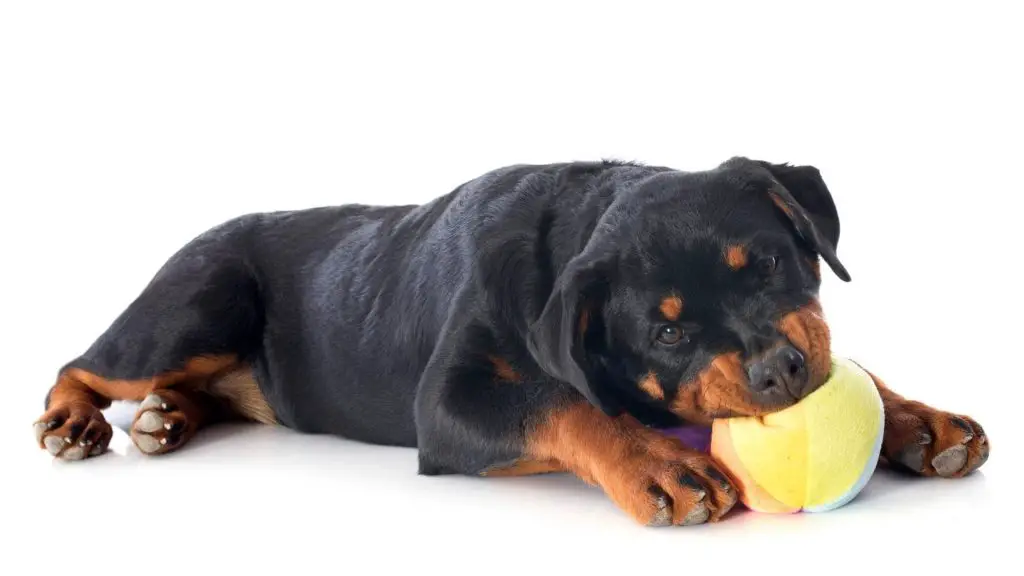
728 387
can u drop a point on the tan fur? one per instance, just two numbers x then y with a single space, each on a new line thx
242 393
526 468
672 307
652 387
720 390
503 370
736 256
807 330
627 459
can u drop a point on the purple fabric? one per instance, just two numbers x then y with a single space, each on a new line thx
696 437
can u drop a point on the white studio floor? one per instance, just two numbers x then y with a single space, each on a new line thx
242 498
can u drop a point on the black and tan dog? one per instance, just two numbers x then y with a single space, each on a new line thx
535 319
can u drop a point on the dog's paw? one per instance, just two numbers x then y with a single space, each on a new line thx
670 487
73 431
930 442
162 423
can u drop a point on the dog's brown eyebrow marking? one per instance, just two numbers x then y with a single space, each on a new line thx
671 307
736 256
652 387
503 370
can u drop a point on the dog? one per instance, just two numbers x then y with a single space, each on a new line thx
537 318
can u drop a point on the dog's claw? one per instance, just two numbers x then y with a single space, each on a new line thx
53 445
146 443
698 515
74 453
149 421
149 402
950 461
912 457
663 516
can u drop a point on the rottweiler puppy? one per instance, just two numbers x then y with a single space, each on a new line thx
538 318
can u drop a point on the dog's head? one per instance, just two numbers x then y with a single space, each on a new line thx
696 296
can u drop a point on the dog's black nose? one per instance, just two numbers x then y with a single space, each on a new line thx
781 370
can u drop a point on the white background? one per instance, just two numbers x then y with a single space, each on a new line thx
126 128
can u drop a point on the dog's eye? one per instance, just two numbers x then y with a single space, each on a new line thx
670 335
769 264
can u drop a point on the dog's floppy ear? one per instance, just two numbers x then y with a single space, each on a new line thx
556 338
807 202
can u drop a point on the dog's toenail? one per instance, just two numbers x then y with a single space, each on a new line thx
53 445
96 450
67 439
163 440
981 460
151 401
912 457
663 516
163 406
167 426
149 422
663 509
146 443
981 440
698 515
950 461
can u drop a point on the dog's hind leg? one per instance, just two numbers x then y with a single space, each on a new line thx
191 329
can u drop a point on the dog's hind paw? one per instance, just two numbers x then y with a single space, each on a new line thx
73 432
163 422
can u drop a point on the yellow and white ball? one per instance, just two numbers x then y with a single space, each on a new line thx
814 456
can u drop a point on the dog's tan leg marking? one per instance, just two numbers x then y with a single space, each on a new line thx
653 478
930 442
174 405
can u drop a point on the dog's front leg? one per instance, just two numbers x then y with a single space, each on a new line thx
927 441
477 413
655 479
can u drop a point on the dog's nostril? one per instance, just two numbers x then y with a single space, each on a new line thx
782 370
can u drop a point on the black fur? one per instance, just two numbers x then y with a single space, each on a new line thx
379 323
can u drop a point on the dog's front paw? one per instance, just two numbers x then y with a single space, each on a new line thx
930 442
665 485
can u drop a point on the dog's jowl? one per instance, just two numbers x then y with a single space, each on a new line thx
538 318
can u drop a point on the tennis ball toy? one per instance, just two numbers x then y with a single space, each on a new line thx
814 456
